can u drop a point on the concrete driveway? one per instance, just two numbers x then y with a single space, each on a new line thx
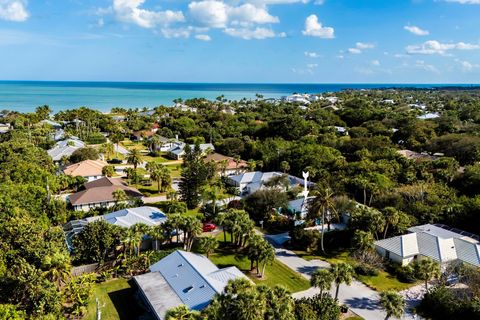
360 299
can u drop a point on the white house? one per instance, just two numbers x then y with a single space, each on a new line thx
436 241
249 182
177 151
65 148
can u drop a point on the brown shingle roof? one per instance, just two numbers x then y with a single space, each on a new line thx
231 164
100 194
85 168
105 182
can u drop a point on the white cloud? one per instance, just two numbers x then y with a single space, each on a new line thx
312 65
417 31
203 37
359 47
314 28
129 11
420 64
311 54
467 66
249 34
176 32
465 1
319 2
375 63
13 10
436 47
217 14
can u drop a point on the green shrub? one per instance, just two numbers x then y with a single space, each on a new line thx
366 270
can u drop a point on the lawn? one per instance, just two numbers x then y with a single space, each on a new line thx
381 282
275 274
117 302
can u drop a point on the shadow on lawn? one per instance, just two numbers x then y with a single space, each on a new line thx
127 304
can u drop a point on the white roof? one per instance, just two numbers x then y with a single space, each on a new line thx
436 242
65 148
126 218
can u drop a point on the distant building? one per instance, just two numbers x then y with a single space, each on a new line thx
99 193
429 116
177 151
435 241
226 165
89 169
4 127
412 155
65 148
183 278
249 182
298 98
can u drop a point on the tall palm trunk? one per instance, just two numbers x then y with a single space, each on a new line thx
323 229
336 291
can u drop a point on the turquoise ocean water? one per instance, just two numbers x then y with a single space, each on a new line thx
25 96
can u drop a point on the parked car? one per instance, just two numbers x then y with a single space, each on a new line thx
115 161
208 227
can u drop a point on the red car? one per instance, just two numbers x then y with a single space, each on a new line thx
208 227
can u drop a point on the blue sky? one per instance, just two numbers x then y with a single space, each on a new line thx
329 41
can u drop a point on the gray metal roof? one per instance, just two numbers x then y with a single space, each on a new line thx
126 218
435 242
65 148
194 278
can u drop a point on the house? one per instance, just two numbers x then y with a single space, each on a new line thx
54 124
184 108
177 151
99 193
299 207
435 241
412 155
124 218
145 134
183 278
89 169
4 127
298 98
65 148
226 165
166 144
249 182
429 116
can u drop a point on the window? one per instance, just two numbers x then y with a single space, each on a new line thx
387 254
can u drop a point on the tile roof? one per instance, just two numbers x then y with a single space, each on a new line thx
87 168
231 164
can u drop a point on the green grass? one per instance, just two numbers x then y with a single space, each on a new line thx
354 318
117 301
275 274
381 282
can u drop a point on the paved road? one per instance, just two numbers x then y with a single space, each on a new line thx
361 299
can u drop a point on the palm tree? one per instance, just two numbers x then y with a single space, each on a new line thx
181 312
58 268
208 244
192 228
321 279
108 149
157 233
392 218
251 165
285 166
392 303
108 171
158 173
153 143
212 193
342 273
138 231
267 255
427 269
119 195
363 240
116 138
321 204
134 158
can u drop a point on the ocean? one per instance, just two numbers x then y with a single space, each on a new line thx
25 96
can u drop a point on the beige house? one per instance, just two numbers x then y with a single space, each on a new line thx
435 241
89 169
99 194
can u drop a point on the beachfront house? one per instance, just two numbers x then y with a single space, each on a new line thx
435 241
100 194
89 169
183 278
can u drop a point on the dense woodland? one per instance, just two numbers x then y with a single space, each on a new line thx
363 166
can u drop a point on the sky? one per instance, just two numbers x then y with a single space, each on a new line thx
249 41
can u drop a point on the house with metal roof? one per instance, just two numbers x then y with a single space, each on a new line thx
249 182
183 278
124 218
65 148
177 150
435 241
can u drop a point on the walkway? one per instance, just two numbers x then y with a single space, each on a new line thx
361 299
